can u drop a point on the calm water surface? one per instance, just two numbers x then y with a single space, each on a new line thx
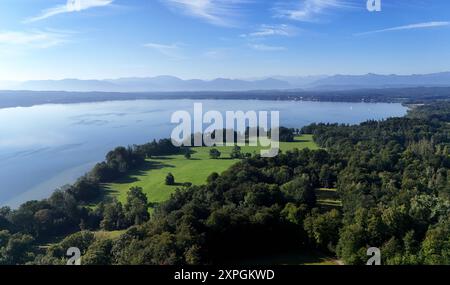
44 147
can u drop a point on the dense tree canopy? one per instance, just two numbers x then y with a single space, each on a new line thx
392 177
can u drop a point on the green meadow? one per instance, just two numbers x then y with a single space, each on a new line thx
151 177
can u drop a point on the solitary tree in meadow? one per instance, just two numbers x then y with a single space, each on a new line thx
170 179
214 153
236 152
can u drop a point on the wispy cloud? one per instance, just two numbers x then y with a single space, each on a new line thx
272 30
216 12
425 25
216 54
35 39
70 7
263 47
172 50
308 10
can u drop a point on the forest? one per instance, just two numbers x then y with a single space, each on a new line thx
392 177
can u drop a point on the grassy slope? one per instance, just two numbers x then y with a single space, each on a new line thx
296 257
327 198
152 177
108 234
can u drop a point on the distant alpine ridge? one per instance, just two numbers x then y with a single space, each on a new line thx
171 83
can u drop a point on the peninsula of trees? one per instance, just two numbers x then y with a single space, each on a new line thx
391 176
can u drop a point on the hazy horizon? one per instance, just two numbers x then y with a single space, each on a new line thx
250 78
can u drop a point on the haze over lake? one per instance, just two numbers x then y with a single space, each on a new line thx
46 146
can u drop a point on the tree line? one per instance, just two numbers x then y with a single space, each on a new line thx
392 177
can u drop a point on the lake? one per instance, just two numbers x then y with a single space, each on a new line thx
46 146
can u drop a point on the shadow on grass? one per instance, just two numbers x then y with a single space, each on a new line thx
130 177
301 141
162 158
181 184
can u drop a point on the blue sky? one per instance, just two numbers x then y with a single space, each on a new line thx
97 39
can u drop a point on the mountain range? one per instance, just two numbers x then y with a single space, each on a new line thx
171 83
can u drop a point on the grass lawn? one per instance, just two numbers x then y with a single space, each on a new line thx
98 235
328 198
152 176
296 257
195 170
108 234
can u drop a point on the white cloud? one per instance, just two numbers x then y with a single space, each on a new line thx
308 10
263 47
35 39
172 50
70 7
268 30
425 25
217 12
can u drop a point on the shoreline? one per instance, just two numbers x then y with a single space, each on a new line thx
56 174
420 95
204 99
